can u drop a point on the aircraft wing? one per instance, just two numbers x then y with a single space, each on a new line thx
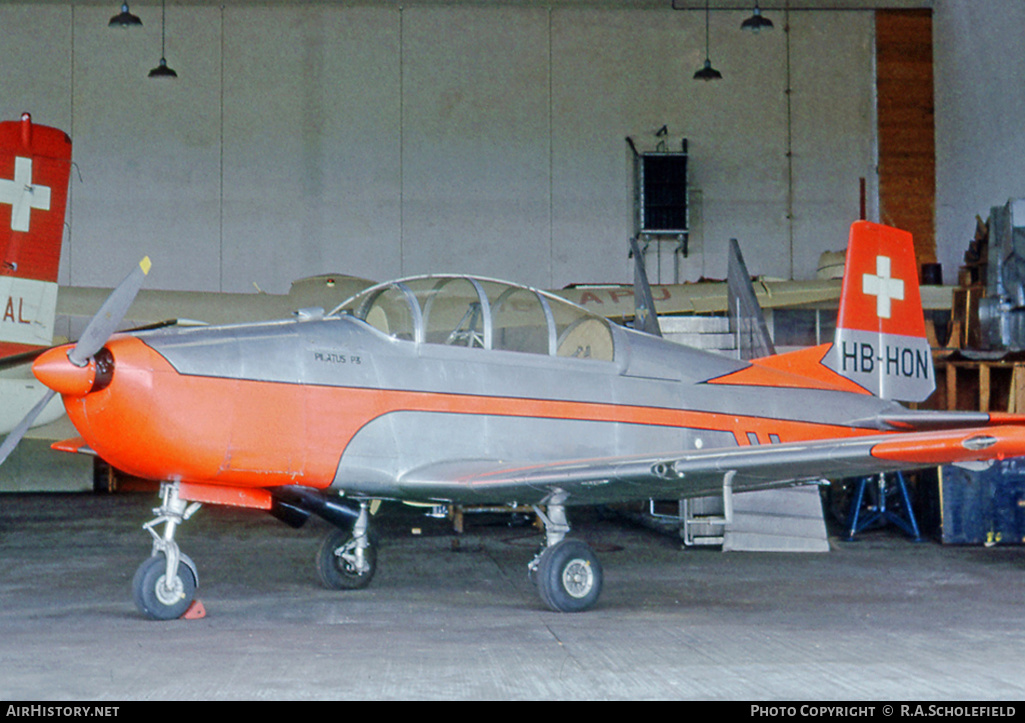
617 301
700 473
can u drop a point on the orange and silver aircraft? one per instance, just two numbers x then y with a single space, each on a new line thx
35 165
458 390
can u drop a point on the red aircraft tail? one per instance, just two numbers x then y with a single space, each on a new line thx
35 166
880 346
880 341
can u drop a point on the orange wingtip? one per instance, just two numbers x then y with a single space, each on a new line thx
948 447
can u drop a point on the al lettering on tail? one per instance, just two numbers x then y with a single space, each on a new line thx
35 166
880 341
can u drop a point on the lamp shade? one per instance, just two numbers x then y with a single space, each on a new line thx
162 71
757 22
707 72
124 19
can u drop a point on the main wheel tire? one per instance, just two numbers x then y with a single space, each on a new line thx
569 577
158 601
338 573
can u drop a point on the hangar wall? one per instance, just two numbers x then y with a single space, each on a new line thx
980 107
381 141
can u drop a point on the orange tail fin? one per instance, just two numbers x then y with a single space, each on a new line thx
880 341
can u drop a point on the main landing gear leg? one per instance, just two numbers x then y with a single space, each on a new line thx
165 584
347 560
567 573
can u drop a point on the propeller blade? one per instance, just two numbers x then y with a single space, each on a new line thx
23 426
99 329
110 315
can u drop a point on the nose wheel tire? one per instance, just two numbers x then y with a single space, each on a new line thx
569 577
159 599
341 567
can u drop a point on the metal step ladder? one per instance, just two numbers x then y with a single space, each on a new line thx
702 521
780 520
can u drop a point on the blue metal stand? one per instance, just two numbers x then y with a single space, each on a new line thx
872 491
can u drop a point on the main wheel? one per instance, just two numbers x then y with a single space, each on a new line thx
569 577
336 562
154 597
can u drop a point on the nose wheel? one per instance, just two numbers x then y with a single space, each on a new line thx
165 584
160 596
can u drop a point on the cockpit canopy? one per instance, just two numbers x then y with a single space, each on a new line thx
481 314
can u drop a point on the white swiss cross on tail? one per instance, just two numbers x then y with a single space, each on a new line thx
22 195
880 341
882 286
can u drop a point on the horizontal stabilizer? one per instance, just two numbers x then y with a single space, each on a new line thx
920 421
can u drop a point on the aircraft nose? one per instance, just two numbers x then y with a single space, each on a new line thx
54 369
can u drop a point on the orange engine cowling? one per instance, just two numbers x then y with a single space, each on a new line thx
141 415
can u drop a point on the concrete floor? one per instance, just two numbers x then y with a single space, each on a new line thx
879 619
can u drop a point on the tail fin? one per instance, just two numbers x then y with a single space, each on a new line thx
645 315
747 322
880 341
35 165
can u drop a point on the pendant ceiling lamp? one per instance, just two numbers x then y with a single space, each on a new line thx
707 72
124 19
162 70
757 22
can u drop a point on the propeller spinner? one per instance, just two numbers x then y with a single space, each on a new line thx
83 368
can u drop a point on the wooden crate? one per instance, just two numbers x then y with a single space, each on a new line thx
978 386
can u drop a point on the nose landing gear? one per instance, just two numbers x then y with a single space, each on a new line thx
165 584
